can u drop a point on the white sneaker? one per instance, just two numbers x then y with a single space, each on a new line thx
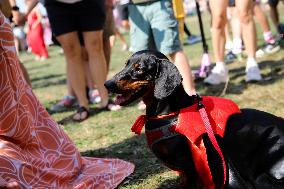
253 74
219 74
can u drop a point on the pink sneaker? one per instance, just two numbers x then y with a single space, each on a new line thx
94 96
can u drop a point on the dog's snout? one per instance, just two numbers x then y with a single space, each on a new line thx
111 85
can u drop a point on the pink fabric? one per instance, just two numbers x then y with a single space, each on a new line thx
35 36
34 150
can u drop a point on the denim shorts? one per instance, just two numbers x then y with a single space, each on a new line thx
154 26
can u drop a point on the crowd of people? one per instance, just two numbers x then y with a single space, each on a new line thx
152 24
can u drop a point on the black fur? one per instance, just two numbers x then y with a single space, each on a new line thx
253 144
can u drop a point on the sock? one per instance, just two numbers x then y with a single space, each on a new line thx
268 37
220 64
251 62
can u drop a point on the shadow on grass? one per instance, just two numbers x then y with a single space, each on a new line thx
274 72
93 111
48 80
135 150
69 119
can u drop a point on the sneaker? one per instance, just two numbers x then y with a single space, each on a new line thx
230 57
94 96
219 74
260 53
192 39
253 74
64 104
269 48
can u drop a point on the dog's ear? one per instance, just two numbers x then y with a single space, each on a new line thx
168 78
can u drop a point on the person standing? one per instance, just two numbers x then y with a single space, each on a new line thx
219 73
153 26
35 34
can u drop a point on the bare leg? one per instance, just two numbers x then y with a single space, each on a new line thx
236 30
219 73
245 11
183 66
17 44
75 68
261 17
121 38
219 19
94 45
125 24
244 8
107 50
274 15
112 40
227 37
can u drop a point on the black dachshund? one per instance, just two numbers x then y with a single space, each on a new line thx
246 152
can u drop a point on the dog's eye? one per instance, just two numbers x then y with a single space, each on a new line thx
140 71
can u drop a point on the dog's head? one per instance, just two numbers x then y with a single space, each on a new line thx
145 72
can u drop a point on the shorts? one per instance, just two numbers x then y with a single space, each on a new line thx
83 16
123 11
232 2
109 26
154 26
273 3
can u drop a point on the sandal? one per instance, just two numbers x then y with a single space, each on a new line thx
111 106
80 111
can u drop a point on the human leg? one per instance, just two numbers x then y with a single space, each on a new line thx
124 13
274 14
219 73
245 12
270 45
75 69
218 11
163 22
122 39
180 60
236 31
97 62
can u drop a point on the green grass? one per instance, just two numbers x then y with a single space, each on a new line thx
107 134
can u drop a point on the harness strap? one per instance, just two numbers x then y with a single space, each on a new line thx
141 120
156 135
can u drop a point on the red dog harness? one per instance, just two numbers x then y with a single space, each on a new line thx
209 117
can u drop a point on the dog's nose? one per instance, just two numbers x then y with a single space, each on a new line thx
110 85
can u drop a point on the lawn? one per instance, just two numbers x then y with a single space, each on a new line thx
107 134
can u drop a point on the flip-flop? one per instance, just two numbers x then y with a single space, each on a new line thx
81 110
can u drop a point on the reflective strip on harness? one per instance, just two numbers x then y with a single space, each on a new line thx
161 133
